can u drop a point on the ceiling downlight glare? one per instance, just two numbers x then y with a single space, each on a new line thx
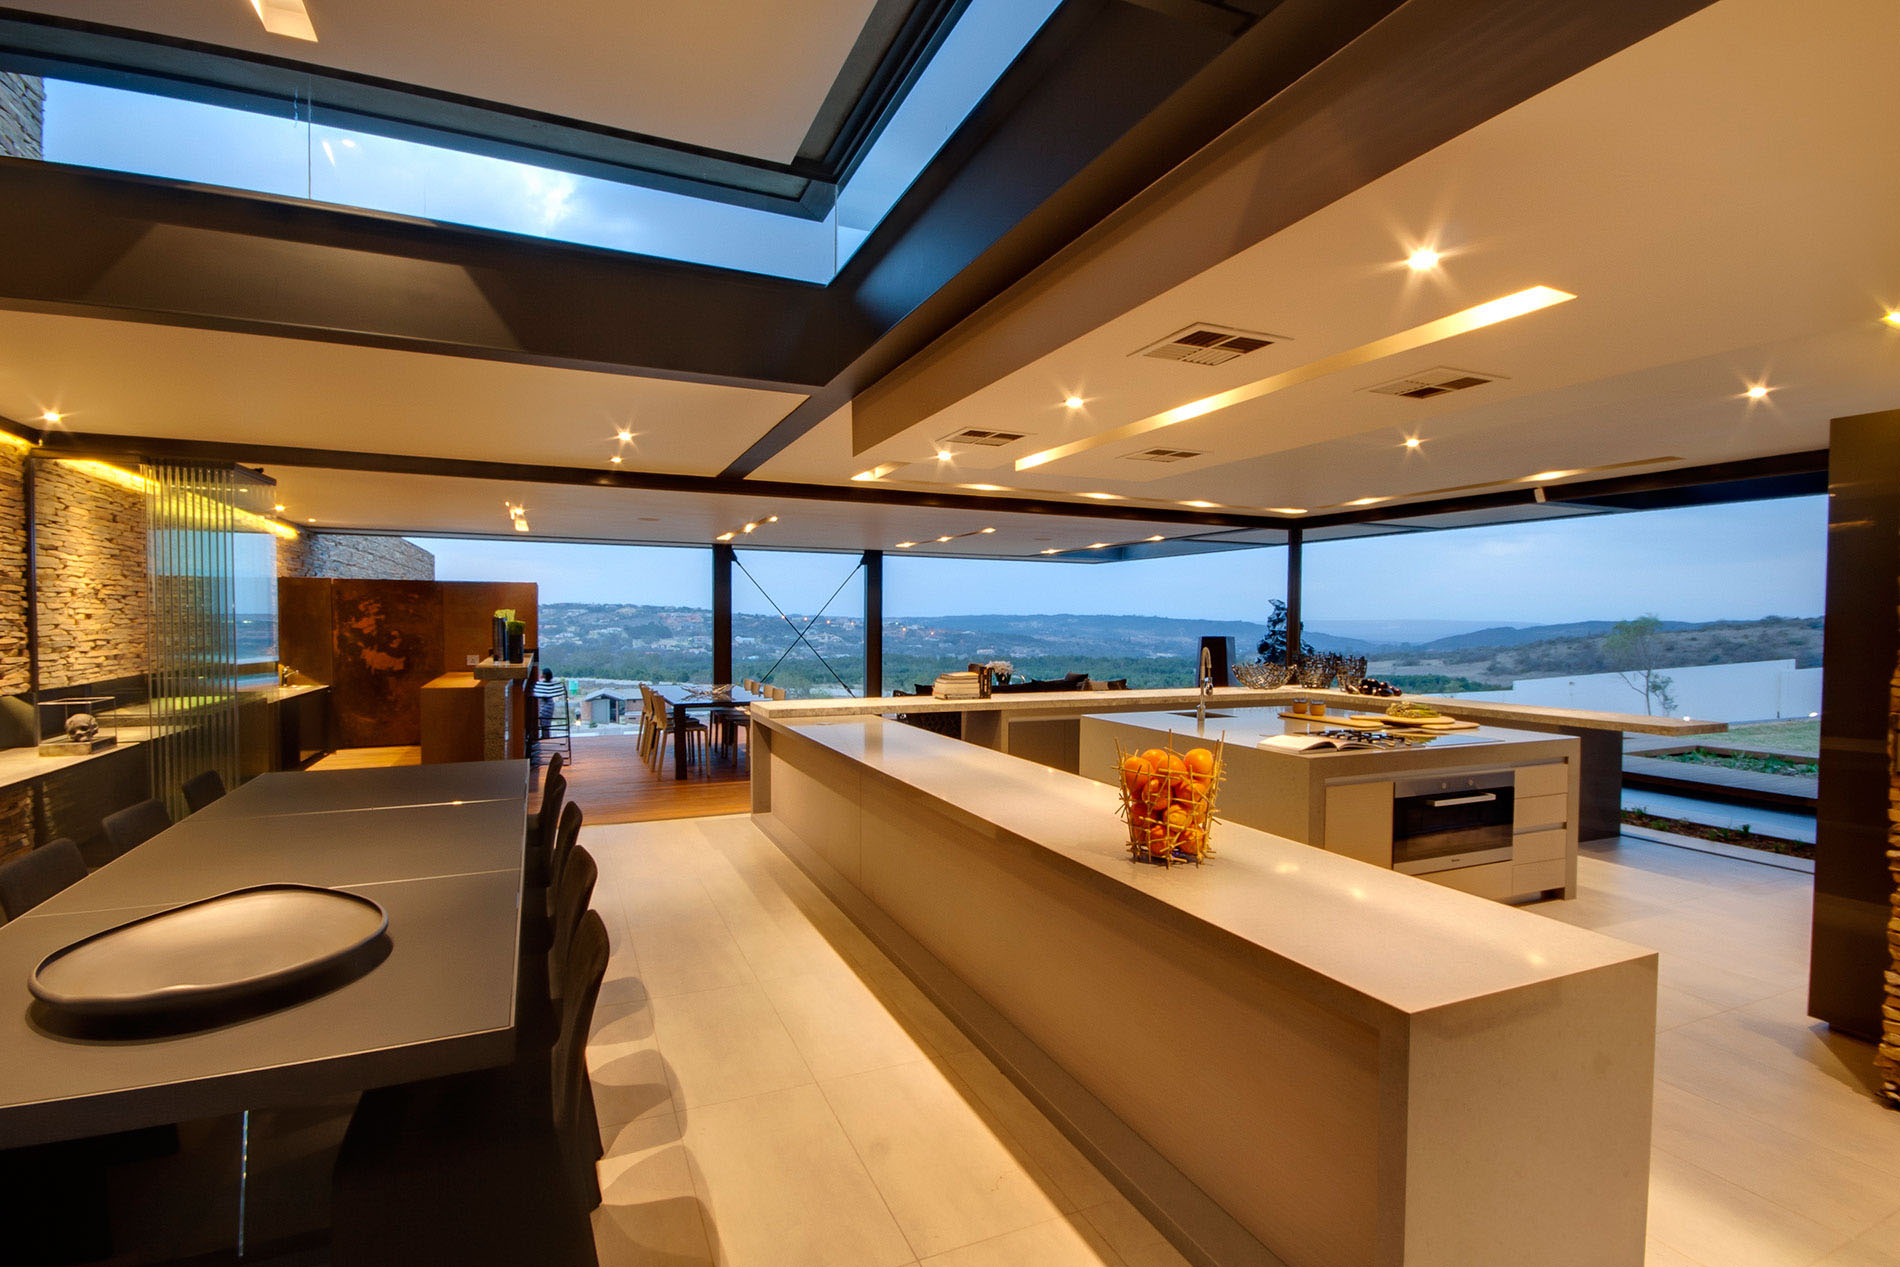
285 17
1521 303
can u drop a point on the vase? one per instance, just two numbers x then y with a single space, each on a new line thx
499 651
515 639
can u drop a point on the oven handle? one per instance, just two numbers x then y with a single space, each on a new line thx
1479 799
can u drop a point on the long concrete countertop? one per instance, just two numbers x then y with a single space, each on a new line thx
1390 939
1080 703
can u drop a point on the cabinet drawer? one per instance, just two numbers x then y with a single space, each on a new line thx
1492 880
1543 780
1541 811
1540 846
1535 877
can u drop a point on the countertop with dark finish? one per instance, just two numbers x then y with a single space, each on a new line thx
449 874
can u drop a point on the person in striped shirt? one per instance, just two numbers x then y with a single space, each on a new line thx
546 691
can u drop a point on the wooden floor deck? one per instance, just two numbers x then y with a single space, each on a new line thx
607 779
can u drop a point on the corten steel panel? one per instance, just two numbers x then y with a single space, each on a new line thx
388 641
305 616
468 615
1852 887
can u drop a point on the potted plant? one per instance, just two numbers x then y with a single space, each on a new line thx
517 633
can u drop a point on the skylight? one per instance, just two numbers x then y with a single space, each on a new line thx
288 155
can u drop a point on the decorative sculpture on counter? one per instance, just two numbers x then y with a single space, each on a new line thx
82 728
1262 675
1167 800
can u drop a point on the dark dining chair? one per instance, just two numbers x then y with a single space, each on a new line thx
490 1167
555 763
31 878
566 832
537 1016
202 789
134 825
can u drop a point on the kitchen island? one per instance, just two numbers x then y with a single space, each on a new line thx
1508 828
1285 1056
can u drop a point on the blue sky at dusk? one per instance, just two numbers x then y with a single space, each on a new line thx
1701 563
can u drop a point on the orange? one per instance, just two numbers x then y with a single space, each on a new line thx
1171 765
1156 759
1135 775
1156 795
1177 819
1200 762
1158 840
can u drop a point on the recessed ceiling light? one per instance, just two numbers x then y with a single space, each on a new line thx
749 527
1073 402
1098 545
985 488
278 509
1545 476
1892 318
624 436
770 519
1422 259
1477 317
986 532
1052 552
285 17
615 459
1412 442
1366 501
310 521
521 525
944 538
1201 505
905 545
724 536
1757 391
944 455
1286 510
1104 497
51 415
1157 537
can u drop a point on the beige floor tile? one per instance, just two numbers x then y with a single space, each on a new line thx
649 1211
1718 1222
625 1066
1878 1246
1834 1191
1678 1007
783 1187
725 1045
688 955
839 1026
1658 1254
949 1180
921 1019
1132 1236
1070 1242
1008 1111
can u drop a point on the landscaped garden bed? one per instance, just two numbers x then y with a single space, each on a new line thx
1741 836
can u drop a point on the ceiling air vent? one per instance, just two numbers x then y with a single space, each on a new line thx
1434 382
1163 455
984 439
1209 345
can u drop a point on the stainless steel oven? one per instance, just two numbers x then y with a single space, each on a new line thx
1448 820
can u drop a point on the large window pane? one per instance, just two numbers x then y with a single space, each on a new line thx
1531 612
1141 620
798 622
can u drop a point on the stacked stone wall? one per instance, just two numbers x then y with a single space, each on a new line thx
94 588
22 115
336 556
16 676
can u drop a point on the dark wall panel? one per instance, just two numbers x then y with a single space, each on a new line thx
388 643
1852 887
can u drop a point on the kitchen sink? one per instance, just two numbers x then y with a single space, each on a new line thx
1194 714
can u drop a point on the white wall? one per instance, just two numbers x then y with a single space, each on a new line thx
1758 691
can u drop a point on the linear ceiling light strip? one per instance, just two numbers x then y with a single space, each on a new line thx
1486 314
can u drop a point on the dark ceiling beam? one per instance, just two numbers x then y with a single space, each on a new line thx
1395 85
58 444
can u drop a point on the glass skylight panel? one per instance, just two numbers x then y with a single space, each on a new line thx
288 155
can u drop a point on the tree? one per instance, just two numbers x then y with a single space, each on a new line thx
1273 646
1634 651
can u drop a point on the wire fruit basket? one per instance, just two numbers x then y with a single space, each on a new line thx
1167 800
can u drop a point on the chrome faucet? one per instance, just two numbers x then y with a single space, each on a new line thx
1207 688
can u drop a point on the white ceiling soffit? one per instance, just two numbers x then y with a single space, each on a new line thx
421 506
173 382
744 76
1719 197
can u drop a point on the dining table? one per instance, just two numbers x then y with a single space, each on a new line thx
440 848
683 698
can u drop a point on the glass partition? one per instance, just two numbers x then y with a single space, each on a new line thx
1139 621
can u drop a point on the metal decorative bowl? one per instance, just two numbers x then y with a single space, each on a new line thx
1262 675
